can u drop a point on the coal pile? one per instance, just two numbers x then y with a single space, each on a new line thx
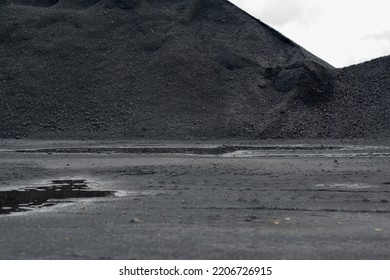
177 69
353 102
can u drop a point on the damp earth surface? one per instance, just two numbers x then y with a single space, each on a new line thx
169 200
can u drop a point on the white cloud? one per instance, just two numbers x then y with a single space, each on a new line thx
280 12
384 35
341 32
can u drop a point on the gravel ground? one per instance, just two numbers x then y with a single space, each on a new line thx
282 202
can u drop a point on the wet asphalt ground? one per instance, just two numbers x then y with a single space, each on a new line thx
173 201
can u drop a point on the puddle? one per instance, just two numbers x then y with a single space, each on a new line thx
30 198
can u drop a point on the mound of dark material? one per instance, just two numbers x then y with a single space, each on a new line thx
352 102
364 98
177 69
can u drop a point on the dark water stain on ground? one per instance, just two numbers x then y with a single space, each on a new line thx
218 150
30 198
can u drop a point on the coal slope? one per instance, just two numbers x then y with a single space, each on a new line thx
353 102
171 69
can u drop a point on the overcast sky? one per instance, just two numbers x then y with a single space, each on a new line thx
342 32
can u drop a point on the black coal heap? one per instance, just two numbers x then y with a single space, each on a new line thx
177 69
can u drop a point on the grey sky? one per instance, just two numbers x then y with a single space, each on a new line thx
342 32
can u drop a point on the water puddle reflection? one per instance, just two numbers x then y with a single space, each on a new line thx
30 198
